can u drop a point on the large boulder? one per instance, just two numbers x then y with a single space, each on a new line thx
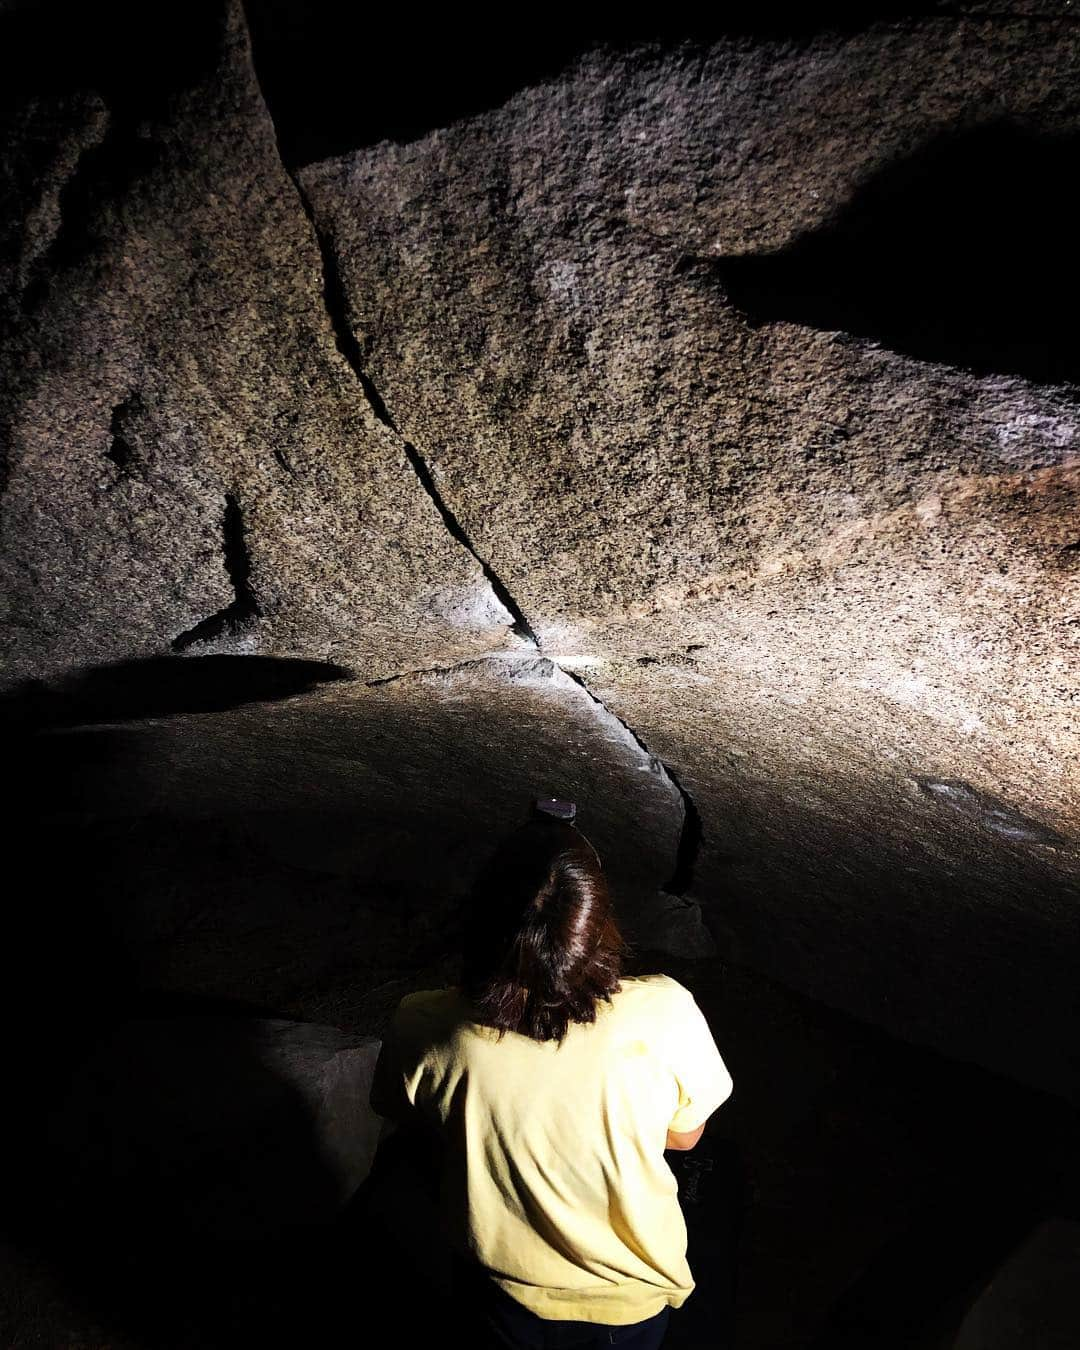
750 371
189 462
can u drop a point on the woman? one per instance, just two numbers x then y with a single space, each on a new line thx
550 1085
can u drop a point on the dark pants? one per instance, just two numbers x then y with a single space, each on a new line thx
492 1320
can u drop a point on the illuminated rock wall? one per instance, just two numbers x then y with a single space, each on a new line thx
713 410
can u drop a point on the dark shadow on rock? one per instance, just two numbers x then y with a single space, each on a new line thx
186 1182
52 47
915 1290
1033 1298
50 769
305 53
208 1127
161 687
67 964
393 1217
110 1222
962 253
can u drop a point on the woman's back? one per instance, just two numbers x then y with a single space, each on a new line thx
554 1177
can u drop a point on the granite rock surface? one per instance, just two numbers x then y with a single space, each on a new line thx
189 462
700 428
746 370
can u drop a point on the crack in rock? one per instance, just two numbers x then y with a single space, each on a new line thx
426 670
337 309
244 608
120 451
690 836
989 812
542 669
336 303
520 626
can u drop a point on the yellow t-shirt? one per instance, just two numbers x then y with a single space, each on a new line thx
553 1175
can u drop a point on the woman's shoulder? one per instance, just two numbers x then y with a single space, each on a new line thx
656 992
426 1006
654 984
421 999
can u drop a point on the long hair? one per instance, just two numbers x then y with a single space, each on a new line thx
541 945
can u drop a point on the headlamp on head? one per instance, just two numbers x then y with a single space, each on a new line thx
554 806
558 809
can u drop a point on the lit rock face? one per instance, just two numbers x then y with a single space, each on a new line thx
189 461
747 371
736 384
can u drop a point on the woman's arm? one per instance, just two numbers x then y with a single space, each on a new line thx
701 1075
388 1097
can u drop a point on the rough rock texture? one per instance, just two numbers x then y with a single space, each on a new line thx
224 1128
698 350
731 386
190 464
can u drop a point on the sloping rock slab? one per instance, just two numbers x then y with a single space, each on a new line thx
312 848
1034 1299
700 349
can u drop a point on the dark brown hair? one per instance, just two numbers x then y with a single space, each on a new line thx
541 945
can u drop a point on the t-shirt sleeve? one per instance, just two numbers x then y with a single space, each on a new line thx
700 1073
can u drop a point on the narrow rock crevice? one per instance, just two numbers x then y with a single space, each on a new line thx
102 174
690 836
244 608
521 625
121 451
425 670
337 308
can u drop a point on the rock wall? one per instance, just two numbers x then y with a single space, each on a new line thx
745 371
730 388
190 462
